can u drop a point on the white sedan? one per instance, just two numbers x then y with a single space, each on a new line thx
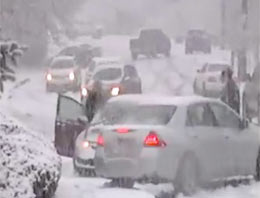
63 75
208 79
189 141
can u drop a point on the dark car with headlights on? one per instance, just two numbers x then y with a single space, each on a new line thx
115 79
63 75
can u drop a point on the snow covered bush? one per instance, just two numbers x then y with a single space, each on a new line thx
29 164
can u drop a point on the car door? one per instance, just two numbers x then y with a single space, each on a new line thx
208 142
70 121
201 78
242 141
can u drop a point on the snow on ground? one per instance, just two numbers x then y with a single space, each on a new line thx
31 105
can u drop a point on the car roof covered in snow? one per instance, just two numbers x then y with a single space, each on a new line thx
63 58
107 60
161 100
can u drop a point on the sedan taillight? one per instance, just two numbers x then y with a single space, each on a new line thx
100 140
153 140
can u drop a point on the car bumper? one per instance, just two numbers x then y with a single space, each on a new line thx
84 159
146 166
62 86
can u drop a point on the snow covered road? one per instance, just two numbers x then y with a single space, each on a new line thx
31 105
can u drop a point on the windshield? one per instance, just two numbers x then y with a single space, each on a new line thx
217 67
62 64
115 114
108 74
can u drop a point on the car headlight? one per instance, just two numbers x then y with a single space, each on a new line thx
84 92
115 91
49 77
72 76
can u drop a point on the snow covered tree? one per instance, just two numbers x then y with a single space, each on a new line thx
10 51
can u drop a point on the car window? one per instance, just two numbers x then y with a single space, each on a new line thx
224 116
68 109
217 67
108 74
129 114
62 64
204 68
200 115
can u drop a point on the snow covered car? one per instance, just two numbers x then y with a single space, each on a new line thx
251 96
115 79
197 40
99 62
83 53
83 158
30 166
189 141
208 80
150 43
63 75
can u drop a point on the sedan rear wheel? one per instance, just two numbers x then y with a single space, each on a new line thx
187 181
123 182
257 174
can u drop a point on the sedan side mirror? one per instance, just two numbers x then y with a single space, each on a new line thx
83 120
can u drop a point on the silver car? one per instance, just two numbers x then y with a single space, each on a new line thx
189 141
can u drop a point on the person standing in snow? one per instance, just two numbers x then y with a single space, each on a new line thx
95 100
230 93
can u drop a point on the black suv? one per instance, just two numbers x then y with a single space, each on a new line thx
150 43
197 40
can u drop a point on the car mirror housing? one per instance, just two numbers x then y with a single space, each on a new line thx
83 120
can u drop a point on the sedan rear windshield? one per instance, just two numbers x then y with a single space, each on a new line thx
217 67
108 74
135 114
62 64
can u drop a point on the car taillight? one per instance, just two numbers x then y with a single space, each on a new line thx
153 140
100 140
212 79
122 130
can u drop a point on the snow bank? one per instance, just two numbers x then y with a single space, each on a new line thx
29 164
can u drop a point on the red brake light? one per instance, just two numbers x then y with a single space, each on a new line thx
153 140
100 140
122 130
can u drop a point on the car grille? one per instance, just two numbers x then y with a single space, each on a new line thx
89 162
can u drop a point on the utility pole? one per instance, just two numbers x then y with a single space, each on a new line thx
223 23
242 53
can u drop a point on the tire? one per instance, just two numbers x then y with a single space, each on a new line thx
257 173
187 181
83 172
122 183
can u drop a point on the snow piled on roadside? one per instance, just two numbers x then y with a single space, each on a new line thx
24 156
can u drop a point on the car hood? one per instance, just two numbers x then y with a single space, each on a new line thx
61 72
